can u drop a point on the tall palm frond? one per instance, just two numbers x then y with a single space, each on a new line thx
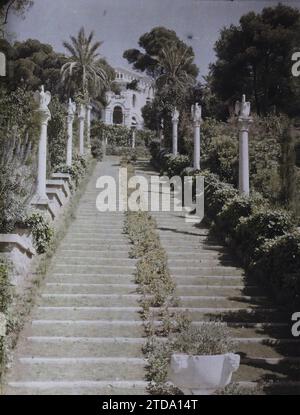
174 62
84 67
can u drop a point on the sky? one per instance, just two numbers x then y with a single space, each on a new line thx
120 23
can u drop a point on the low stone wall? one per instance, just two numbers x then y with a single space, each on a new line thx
18 247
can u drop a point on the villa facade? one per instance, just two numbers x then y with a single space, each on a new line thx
125 108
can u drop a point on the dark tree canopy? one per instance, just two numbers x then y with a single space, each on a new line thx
153 43
255 58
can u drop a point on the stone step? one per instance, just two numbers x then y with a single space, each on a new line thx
211 280
42 346
206 271
199 255
87 328
88 300
95 233
216 312
90 278
101 245
96 238
221 301
223 290
87 313
99 269
85 288
81 369
264 372
96 260
197 262
98 388
75 253
268 350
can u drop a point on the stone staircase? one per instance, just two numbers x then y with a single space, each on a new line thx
85 335
212 288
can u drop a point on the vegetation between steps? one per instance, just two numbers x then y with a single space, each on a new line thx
167 331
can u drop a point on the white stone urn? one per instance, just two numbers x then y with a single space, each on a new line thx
202 375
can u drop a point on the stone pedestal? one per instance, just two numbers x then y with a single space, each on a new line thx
243 110
133 138
43 99
88 124
161 134
197 119
175 120
81 117
70 120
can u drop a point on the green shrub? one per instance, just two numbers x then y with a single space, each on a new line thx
5 301
174 165
76 171
235 209
254 230
96 150
278 267
217 194
117 135
41 231
206 339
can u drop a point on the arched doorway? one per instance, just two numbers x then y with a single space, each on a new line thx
118 115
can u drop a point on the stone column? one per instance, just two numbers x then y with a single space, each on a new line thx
242 109
133 138
70 119
161 134
43 99
88 123
175 120
81 116
197 119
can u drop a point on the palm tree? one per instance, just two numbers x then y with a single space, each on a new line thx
174 63
85 68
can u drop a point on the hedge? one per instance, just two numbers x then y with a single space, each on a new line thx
279 268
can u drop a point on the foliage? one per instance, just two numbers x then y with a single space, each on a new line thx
153 43
114 134
57 133
76 171
41 231
254 57
84 67
235 209
206 339
263 225
278 267
217 194
15 6
173 165
5 301
18 131
32 64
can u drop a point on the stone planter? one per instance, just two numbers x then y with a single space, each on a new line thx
202 375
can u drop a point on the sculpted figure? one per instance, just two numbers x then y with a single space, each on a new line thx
243 108
175 115
42 98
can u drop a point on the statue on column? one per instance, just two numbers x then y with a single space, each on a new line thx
43 99
71 108
243 108
196 113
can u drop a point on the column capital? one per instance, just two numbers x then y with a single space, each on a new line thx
81 112
245 123
196 112
175 116
45 115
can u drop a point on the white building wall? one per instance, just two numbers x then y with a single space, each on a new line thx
132 114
